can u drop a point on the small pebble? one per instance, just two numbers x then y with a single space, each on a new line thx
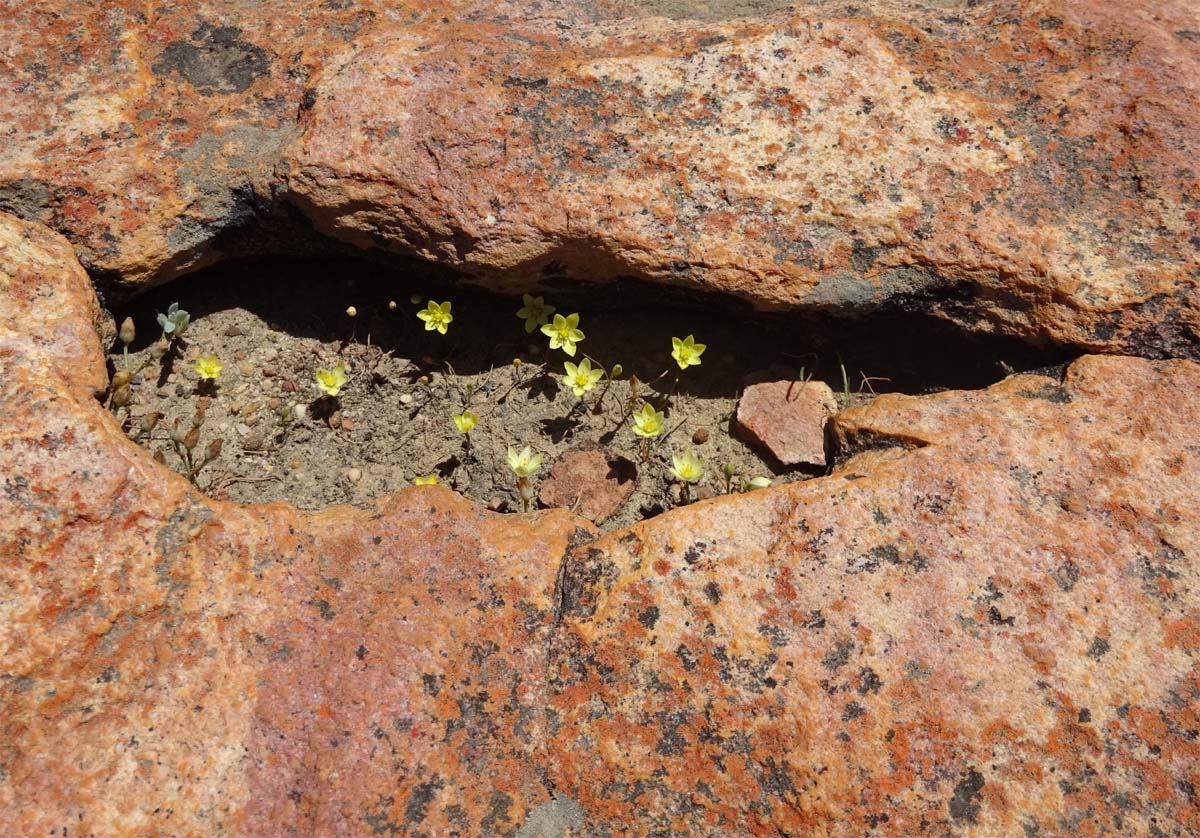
270 372
234 332
405 398
270 353
354 475
240 355
246 369
347 424
288 386
700 436
300 411
242 428
335 421
274 403
295 465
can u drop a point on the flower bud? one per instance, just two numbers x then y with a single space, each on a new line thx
617 369
177 431
127 331
415 299
214 449
121 395
158 349
525 489
149 422
121 378
192 438
391 305
517 362
351 311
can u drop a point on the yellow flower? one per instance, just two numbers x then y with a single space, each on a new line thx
649 422
524 463
563 333
431 480
465 421
688 468
536 312
209 368
581 378
331 382
687 352
436 316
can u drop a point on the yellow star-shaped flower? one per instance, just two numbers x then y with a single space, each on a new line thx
688 468
208 368
465 421
535 313
581 378
648 422
525 462
436 316
331 382
564 333
687 352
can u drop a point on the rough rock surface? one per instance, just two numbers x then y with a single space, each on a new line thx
1019 166
986 621
591 482
787 419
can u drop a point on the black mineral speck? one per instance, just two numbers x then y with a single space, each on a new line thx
216 60
964 805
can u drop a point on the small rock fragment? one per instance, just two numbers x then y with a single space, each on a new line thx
591 482
787 418
700 436
354 475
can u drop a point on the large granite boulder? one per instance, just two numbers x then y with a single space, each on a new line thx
986 620
1026 167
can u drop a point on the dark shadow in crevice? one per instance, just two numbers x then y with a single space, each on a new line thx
626 321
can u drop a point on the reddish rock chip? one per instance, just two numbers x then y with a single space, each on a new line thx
590 482
787 419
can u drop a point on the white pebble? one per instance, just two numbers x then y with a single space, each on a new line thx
300 411
405 398
354 475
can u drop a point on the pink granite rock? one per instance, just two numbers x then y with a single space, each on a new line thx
786 419
1024 167
589 482
986 622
